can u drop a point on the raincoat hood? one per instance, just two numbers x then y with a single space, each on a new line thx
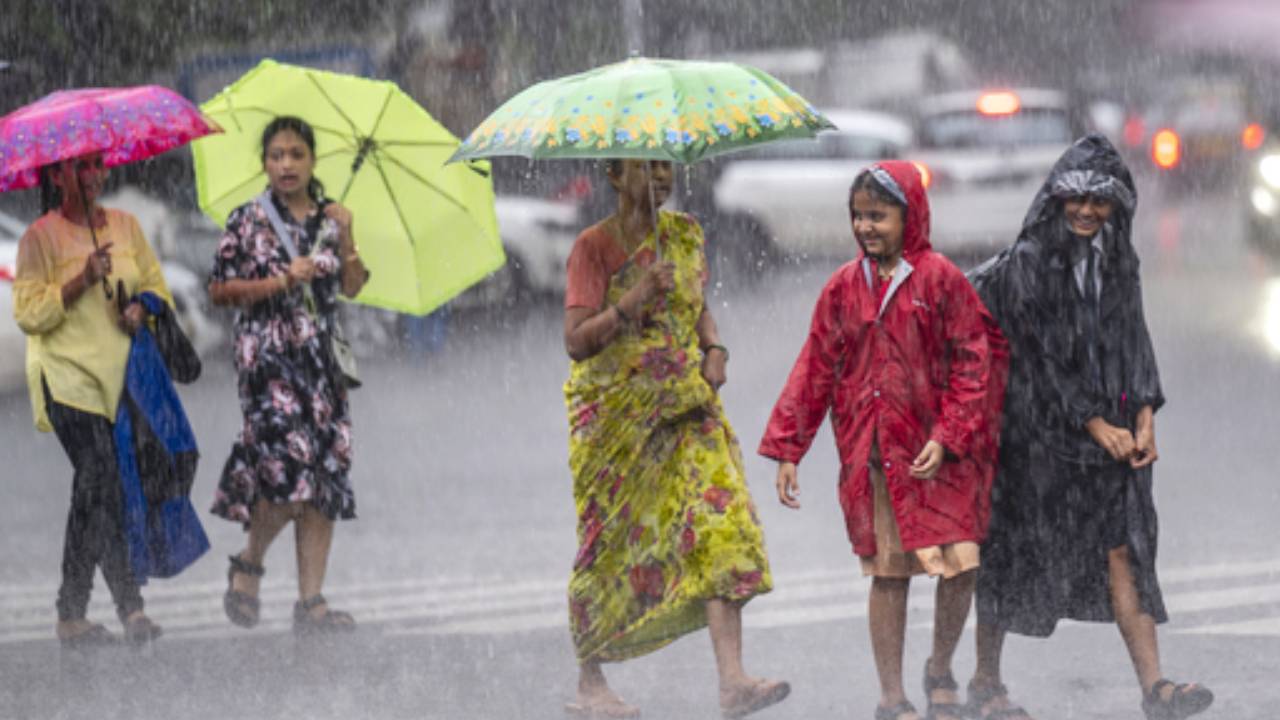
1091 166
902 180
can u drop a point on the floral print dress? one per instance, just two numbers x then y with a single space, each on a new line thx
295 444
665 521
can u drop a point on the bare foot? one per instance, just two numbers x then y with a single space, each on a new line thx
601 704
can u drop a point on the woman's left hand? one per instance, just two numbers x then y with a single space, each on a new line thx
133 317
341 215
713 367
1144 447
926 464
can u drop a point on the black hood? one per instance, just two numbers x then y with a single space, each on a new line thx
1091 166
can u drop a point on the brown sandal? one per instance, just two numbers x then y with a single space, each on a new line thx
94 636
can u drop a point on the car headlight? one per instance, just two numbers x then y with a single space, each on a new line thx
1269 168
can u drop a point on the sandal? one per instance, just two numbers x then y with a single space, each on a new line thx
1186 700
241 607
981 695
612 709
895 712
944 709
332 621
756 696
95 636
140 631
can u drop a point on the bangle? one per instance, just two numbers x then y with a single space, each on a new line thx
352 257
621 315
284 282
708 348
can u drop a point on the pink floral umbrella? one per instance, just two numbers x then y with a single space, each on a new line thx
124 124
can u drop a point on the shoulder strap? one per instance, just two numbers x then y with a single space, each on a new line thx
268 205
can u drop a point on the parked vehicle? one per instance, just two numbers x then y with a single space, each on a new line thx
792 197
985 154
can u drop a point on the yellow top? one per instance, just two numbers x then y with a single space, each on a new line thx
79 350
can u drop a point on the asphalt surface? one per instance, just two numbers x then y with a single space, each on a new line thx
456 567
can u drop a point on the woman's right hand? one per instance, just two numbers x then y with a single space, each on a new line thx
97 265
659 279
1117 441
301 270
788 485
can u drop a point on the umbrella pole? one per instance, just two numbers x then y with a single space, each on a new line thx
93 234
653 210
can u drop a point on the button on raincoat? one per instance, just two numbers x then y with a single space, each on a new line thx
927 363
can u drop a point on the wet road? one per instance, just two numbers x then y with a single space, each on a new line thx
456 567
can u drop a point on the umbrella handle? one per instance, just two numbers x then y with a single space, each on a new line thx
93 234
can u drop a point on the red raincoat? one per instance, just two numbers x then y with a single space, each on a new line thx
930 364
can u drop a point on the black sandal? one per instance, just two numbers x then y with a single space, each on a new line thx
1185 700
895 712
96 636
980 695
941 682
241 607
332 621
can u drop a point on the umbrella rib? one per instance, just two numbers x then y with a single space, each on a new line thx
395 202
337 108
235 110
414 174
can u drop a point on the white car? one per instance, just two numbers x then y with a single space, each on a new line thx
797 191
189 298
985 154
537 235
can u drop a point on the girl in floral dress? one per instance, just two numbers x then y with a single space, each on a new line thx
292 460
668 536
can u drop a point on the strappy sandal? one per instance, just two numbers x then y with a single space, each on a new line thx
332 621
140 631
1185 700
95 636
981 695
941 682
241 607
756 696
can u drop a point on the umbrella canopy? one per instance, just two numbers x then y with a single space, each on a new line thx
426 231
657 109
124 124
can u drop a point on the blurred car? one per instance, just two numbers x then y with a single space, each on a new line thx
984 154
1202 128
537 235
792 196
190 299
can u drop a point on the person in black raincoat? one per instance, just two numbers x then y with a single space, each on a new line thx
1073 527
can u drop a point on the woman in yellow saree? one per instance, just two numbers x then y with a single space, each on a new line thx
668 538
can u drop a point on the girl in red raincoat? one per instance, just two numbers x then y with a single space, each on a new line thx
911 365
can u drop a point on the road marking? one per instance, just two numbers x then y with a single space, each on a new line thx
495 605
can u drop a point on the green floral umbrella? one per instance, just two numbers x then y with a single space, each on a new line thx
677 110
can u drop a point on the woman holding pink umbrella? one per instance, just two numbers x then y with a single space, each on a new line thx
80 334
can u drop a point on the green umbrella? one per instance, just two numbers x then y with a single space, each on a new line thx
425 230
679 110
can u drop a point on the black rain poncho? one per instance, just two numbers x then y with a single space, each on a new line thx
1060 503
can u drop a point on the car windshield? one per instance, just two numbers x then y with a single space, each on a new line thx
970 128
827 146
1203 105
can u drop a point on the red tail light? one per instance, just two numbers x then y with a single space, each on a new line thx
1134 131
6 273
1252 136
1166 149
926 177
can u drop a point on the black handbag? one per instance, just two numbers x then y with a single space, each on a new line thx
180 356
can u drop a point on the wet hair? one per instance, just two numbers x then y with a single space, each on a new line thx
50 193
867 182
292 123
613 167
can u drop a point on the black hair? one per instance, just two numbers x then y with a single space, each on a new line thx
866 181
295 124
50 194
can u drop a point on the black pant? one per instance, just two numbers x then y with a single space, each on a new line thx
95 523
